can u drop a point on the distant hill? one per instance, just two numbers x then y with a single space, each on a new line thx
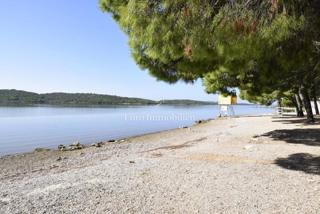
16 97
23 98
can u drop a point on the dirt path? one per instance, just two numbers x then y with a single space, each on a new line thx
240 165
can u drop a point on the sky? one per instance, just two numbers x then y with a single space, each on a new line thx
71 46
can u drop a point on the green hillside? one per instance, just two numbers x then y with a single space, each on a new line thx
23 98
15 97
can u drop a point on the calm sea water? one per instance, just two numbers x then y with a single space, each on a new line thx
24 128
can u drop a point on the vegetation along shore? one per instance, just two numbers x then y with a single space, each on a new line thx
20 98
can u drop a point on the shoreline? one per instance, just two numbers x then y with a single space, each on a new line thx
110 141
122 139
48 128
230 165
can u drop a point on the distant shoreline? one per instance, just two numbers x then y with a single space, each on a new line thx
12 97
122 105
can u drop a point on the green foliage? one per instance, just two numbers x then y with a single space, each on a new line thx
91 99
264 48
172 39
186 40
24 98
286 98
15 97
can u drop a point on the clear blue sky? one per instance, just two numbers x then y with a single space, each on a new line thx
71 46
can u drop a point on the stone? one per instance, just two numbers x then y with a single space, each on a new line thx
77 143
75 146
202 121
62 147
40 150
97 144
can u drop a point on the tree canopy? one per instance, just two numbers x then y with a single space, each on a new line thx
261 47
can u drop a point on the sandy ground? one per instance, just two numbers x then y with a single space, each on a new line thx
240 165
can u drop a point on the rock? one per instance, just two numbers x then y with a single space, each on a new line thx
97 144
202 121
61 147
40 150
131 162
75 146
4 203
77 143
59 159
111 141
183 127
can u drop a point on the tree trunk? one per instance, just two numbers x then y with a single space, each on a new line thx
307 104
296 106
279 103
315 102
316 105
299 105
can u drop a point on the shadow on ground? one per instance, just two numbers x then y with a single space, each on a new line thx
301 162
295 120
310 137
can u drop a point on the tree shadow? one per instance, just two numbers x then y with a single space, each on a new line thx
310 137
301 162
295 120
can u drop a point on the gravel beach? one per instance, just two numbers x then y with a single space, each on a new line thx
261 164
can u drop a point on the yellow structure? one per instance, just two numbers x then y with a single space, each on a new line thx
227 100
